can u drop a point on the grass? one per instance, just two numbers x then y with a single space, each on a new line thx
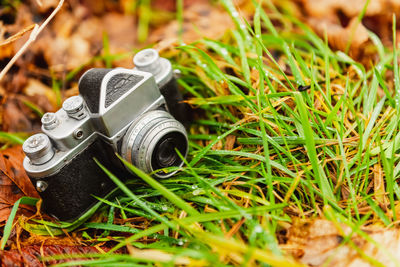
296 154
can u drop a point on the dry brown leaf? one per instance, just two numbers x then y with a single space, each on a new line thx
318 243
379 187
14 183
11 165
123 37
78 40
65 53
200 20
36 88
30 256
32 37
355 35
15 116
338 19
13 35
162 256
16 81
317 8
170 5
230 142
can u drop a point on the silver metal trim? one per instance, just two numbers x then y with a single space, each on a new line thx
41 186
148 60
59 160
38 149
49 120
111 123
63 135
74 107
131 104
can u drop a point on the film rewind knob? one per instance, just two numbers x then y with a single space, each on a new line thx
38 149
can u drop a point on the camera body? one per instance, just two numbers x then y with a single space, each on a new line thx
137 113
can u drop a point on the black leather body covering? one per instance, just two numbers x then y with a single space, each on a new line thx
181 111
69 192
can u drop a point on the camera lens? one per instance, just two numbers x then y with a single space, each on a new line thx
150 143
164 154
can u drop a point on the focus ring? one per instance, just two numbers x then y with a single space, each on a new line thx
158 131
134 131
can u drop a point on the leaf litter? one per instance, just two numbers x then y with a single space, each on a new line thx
322 243
32 255
346 23
14 183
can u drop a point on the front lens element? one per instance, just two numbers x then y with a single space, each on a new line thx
164 154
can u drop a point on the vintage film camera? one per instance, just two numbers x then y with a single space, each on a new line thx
137 113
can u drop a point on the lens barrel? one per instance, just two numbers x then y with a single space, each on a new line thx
150 143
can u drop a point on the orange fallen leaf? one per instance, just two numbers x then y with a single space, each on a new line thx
338 20
31 255
320 243
14 183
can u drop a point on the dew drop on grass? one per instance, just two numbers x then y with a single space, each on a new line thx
196 192
235 14
224 51
249 217
180 243
164 208
258 229
194 186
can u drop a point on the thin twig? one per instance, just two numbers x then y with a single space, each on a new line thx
32 37
17 35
